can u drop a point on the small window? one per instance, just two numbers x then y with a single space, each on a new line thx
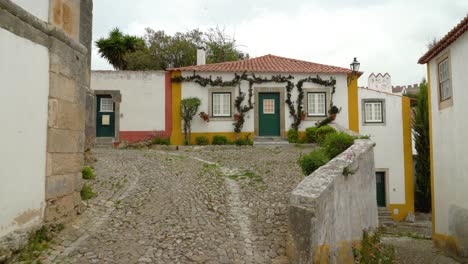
316 104
445 88
268 106
221 104
107 105
373 112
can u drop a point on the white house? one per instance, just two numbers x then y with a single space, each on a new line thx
386 118
264 82
131 105
447 75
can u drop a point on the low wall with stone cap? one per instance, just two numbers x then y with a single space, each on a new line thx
330 208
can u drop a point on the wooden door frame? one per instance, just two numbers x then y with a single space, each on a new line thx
387 193
282 104
117 98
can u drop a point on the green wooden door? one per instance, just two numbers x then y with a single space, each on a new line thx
105 116
269 114
380 182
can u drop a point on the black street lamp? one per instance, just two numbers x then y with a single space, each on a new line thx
354 66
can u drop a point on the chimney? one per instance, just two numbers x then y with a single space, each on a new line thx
201 56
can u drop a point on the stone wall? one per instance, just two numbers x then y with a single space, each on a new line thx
67 36
330 208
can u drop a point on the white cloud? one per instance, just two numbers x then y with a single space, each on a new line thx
386 36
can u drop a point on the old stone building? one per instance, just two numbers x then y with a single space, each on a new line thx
45 72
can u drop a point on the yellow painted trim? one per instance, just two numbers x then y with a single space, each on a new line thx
177 137
403 210
230 135
449 244
408 153
431 148
353 106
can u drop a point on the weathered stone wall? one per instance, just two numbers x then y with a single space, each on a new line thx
330 208
67 35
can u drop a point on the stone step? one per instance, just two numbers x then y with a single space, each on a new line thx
270 141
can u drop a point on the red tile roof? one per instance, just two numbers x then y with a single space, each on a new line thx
267 63
453 35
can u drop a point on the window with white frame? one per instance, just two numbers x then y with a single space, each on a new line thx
107 105
268 106
221 104
316 104
373 112
445 88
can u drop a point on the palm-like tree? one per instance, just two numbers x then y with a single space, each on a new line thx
117 45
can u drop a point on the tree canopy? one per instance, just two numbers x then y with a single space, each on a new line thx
117 45
158 50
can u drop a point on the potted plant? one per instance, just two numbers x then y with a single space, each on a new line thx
204 116
333 112
303 115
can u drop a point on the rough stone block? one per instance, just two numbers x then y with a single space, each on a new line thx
62 207
65 141
53 113
64 163
70 116
60 185
63 88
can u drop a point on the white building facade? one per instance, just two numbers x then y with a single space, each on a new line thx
447 64
139 99
386 118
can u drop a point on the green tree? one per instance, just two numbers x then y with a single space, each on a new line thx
164 51
221 47
116 46
421 136
188 109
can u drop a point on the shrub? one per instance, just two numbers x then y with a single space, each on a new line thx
219 140
202 140
335 143
322 132
311 134
292 136
87 173
312 161
87 192
243 142
371 250
161 141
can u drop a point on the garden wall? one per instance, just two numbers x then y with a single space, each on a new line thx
330 208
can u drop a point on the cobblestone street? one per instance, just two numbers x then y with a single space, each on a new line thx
195 206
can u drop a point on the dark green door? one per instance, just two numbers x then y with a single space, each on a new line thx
105 118
380 181
269 114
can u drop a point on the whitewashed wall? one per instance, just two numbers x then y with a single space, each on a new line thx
449 138
143 97
24 75
38 8
190 89
389 153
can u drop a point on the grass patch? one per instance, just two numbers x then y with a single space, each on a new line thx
88 173
87 192
38 242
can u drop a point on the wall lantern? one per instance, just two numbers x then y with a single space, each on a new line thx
354 66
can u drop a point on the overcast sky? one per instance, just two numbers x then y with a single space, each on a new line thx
385 36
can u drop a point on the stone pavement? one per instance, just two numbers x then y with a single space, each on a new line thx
202 205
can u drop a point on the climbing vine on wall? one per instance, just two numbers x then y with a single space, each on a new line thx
295 112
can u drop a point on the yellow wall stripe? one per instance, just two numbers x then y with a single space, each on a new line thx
431 146
353 107
408 153
177 137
